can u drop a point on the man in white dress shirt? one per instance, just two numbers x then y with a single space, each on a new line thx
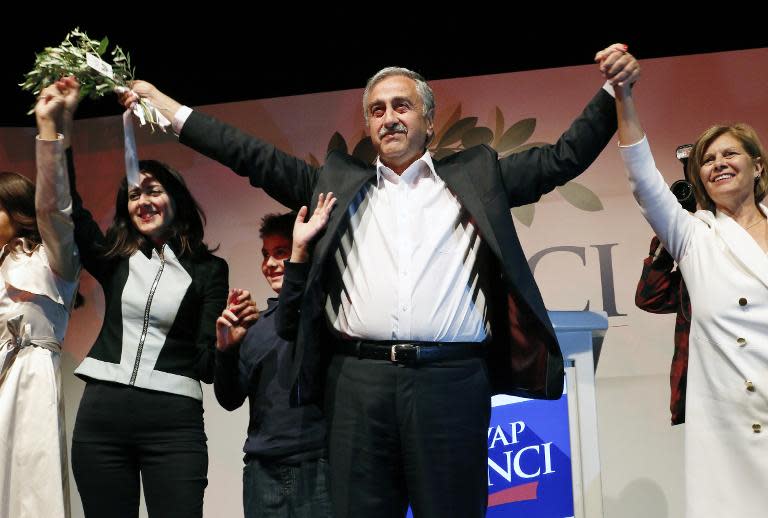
419 303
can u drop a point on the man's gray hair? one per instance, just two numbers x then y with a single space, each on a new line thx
423 89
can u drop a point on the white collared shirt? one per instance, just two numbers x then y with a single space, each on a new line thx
407 262
406 267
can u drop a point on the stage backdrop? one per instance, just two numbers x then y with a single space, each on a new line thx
586 241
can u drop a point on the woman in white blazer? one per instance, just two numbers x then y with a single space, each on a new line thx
721 251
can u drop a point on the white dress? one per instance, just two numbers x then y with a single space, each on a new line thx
726 418
36 293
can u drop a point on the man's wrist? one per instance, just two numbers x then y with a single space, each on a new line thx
179 118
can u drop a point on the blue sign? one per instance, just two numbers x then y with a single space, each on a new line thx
529 459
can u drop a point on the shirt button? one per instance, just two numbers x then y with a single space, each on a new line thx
742 301
405 308
757 428
750 386
741 341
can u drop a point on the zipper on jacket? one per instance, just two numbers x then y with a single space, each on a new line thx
146 318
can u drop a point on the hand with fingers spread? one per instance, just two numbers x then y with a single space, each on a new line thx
618 66
305 231
237 317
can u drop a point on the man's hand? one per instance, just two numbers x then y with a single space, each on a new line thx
144 90
618 66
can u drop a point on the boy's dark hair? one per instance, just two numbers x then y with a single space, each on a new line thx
277 224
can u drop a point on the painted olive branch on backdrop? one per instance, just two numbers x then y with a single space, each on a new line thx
459 133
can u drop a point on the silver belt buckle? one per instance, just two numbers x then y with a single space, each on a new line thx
400 347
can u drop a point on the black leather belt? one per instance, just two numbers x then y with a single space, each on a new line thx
411 353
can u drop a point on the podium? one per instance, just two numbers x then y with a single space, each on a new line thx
581 334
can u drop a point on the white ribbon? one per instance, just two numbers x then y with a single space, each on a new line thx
144 110
131 160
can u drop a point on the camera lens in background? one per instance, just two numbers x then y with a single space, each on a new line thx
683 191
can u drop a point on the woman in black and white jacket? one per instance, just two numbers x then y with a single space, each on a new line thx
141 411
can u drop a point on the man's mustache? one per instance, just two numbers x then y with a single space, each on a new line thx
397 127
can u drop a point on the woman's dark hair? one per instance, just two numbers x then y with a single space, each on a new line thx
17 197
186 228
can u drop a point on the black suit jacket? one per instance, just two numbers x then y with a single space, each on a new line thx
524 356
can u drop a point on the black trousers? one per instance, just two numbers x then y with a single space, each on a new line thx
122 432
400 435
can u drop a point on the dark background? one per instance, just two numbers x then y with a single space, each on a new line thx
234 54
